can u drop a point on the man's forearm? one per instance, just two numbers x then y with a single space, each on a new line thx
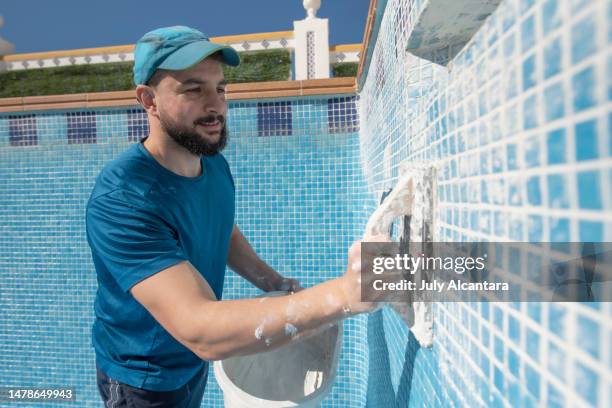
246 326
245 262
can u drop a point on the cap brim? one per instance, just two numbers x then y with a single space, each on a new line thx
195 52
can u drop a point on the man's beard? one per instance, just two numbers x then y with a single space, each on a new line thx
191 140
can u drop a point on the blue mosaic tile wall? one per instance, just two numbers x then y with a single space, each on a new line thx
300 202
520 128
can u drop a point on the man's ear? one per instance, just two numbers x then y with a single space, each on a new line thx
146 97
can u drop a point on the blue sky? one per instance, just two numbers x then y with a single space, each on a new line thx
48 25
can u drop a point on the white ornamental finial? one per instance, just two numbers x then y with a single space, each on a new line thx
311 7
5 46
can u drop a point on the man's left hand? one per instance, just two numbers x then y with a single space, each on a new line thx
287 285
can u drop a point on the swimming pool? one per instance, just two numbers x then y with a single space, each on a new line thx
520 127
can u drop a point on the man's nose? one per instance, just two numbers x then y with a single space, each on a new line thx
215 104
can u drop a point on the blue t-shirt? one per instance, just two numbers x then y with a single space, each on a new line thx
141 219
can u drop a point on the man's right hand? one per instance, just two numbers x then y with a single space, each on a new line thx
351 280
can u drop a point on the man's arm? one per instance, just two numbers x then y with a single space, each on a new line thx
181 300
245 262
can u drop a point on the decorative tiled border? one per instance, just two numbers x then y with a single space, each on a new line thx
246 42
123 53
335 114
344 53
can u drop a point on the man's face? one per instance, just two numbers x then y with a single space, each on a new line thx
192 107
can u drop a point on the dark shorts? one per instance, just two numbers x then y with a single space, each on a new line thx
118 395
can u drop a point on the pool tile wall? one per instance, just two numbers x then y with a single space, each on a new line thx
520 126
300 201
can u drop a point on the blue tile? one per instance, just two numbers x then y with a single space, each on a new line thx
554 101
556 361
514 193
22 130
509 15
532 380
587 335
532 343
590 231
498 346
484 162
485 310
500 224
274 118
514 265
530 112
342 115
583 38
514 394
137 125
511 156
610 134
81 127
586 383
586 140
552 58
557 191
609 21
497 159
559 230
513 362
609 76
509 46
485 342
532 151
534 310
498 380
534 195
514 330
484 192
528 33
535 228
551 18
556 319
460 142
556 146
529 72
526 5
534 262
511 85
583 84
498 318
555 398
578 5
589 190
452 145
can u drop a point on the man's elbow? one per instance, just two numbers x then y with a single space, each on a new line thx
209 352
203 343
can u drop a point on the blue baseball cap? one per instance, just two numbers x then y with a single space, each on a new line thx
175 48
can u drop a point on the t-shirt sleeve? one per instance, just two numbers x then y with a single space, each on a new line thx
130 238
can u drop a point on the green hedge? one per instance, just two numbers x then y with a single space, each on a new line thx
256 66
345 69
67 80
260 66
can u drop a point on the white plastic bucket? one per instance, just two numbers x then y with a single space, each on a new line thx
299 374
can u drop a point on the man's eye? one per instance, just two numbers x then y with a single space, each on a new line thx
221 90
193 90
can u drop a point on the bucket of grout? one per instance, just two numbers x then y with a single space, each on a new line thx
298 374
